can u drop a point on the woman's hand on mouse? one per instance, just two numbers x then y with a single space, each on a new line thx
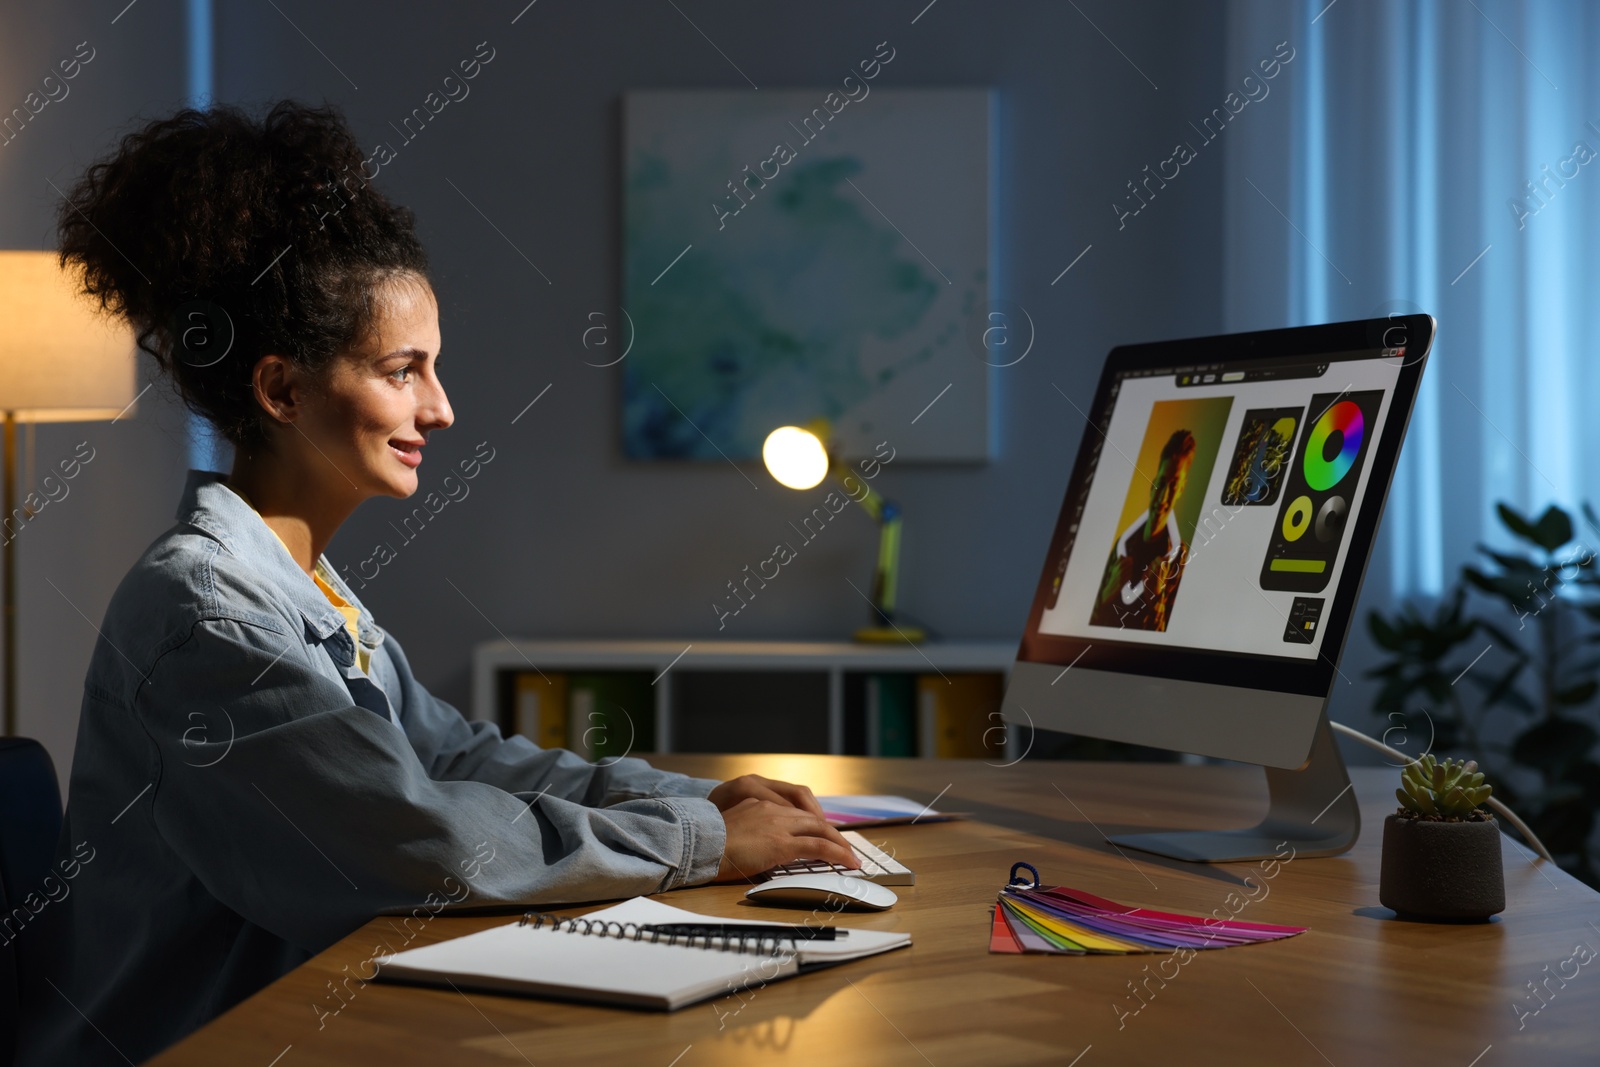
763 834
737 790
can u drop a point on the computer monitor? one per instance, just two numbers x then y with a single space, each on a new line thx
1208 558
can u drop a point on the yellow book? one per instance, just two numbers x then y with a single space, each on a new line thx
956 712
541 710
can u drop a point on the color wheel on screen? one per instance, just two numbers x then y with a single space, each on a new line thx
1345 420
1320 491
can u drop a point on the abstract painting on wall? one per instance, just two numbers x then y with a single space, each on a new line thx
800 254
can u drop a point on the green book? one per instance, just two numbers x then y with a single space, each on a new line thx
892 715
610 714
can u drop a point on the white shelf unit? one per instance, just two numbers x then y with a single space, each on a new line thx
493 660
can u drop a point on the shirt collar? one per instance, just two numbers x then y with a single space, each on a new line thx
211 506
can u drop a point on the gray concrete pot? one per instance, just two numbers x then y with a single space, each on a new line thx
1442 870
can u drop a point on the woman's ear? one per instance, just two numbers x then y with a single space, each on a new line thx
277 387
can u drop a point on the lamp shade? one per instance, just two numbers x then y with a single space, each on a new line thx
795 457
62 359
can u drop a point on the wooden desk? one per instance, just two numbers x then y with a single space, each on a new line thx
1360 988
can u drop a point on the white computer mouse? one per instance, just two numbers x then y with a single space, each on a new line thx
830 891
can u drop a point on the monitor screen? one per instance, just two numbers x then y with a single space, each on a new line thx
1216 505
1224 499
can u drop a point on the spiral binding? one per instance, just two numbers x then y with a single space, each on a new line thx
756 941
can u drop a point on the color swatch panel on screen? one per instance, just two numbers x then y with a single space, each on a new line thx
1319 491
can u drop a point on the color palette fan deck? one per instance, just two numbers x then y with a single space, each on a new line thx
1069 921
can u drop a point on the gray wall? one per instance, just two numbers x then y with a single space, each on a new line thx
562 537
73 554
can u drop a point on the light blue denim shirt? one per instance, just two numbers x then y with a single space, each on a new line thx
246 796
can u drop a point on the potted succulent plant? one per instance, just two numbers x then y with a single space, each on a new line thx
1441 852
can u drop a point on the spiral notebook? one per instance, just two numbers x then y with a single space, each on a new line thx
607 957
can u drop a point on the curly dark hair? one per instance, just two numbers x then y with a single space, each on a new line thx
1180 445
213 232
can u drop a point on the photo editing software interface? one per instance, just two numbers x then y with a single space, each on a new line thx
1213 510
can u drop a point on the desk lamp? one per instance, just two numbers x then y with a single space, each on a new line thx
61 360
797 458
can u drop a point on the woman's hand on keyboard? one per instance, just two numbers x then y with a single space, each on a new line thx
735 790
763 834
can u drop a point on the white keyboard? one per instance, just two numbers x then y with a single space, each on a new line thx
876 865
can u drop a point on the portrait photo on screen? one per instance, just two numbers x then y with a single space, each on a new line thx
1144 568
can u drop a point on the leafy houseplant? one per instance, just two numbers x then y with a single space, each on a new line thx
1441 852
1515 689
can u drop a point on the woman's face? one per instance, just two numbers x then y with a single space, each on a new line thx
380 400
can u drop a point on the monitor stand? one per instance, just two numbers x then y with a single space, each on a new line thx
1312 810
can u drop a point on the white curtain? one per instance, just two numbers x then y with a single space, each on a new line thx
1438 156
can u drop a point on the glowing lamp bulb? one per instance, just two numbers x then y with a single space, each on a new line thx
795 457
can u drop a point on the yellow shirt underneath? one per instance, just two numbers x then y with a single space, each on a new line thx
351 613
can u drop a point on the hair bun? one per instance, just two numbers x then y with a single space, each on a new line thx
315 154
269 223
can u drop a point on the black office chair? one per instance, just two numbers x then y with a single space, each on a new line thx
30 823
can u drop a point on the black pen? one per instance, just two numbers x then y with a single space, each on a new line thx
730 930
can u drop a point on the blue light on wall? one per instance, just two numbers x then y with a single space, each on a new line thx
201 49
205 448
1324 182
1415 526
1308 175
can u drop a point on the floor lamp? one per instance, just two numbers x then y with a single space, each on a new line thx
61 360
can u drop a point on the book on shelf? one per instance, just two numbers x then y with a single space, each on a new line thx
957 713
610 714
891 701
540 712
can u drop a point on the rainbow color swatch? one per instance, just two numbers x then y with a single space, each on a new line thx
1071 922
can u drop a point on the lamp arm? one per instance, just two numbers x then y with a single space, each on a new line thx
872 503
886 581
886 575
8 575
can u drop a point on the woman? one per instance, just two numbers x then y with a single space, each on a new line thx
257 772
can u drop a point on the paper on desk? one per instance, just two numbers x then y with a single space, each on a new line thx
858 811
